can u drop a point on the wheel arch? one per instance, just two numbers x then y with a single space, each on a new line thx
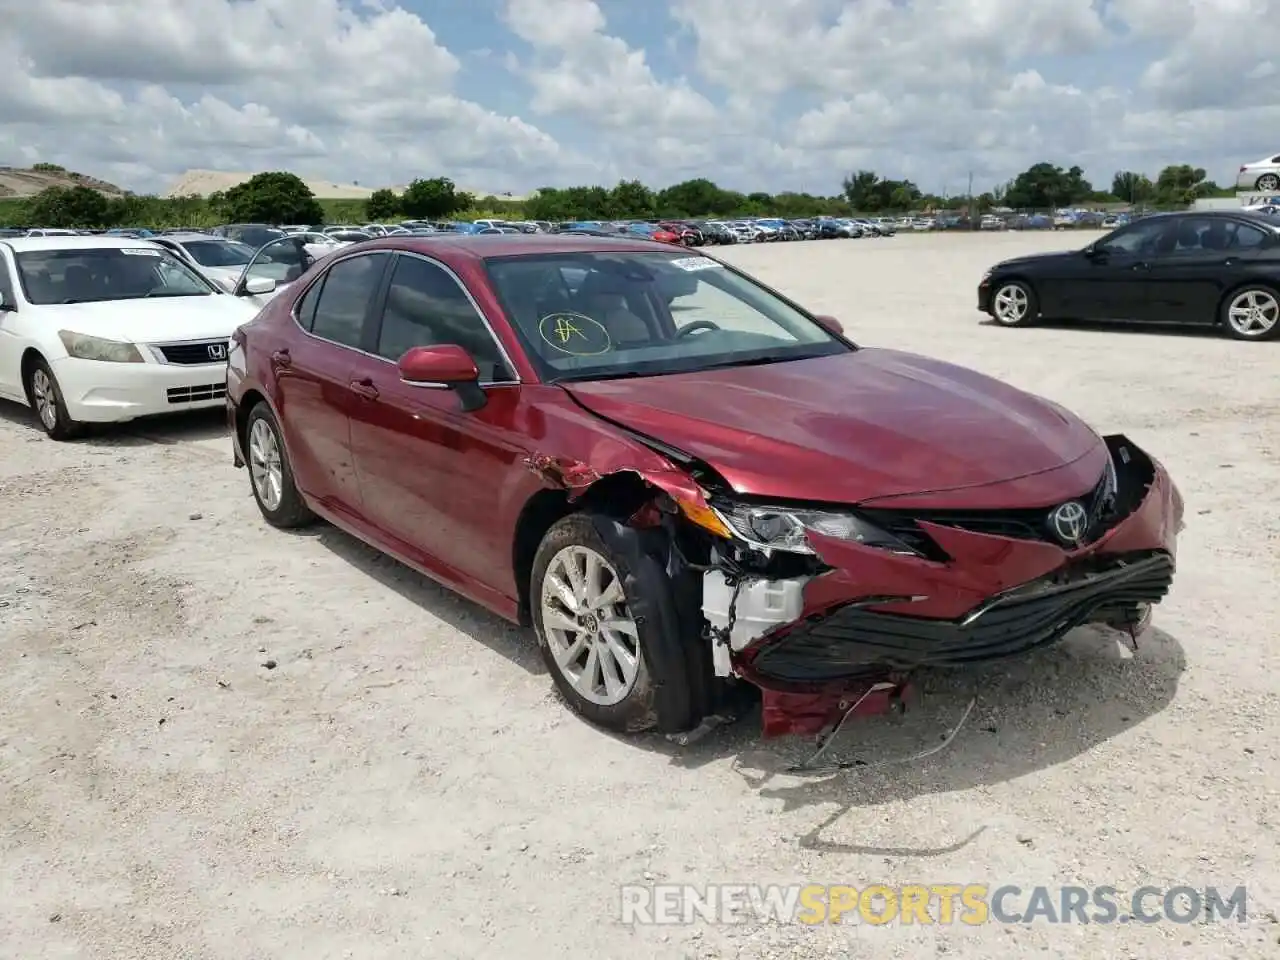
30 357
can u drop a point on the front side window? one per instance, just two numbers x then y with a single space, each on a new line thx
1137 238
425 308
598 315
345 297
106 273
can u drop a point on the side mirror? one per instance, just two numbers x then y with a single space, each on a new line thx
1094 252
447 365
830 324
258 285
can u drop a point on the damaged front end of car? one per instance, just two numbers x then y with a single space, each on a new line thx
831 611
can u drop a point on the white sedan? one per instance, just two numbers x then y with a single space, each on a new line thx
105 329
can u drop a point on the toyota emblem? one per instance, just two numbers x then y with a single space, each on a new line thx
217 351
1069 522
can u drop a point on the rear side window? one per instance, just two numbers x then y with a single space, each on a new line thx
343 303
306 308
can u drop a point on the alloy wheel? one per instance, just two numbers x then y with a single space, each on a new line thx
1253 313
266 468
588 626
45 399
1268 181
1010 304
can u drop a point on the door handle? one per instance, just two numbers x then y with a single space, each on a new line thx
364 388
281 358
1231 262
1142 265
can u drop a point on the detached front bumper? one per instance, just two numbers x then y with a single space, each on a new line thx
875 617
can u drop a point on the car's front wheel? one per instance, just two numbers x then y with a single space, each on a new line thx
604 617
1013 304
270 474
47 401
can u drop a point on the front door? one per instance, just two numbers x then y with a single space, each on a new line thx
1114 285
433 476
313 372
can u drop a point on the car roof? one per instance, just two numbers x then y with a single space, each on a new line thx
1253 216
463 246
32 244
193 235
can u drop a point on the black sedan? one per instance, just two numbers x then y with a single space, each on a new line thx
1212 268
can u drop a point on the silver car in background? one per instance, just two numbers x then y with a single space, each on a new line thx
1260 175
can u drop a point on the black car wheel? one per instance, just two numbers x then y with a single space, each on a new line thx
1251 313
270 474
604 617
45 397
1013 304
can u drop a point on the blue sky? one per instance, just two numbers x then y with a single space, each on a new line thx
755 94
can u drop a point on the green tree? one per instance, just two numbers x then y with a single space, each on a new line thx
69 207
1044 186
631 200
433 199
1181 185
382 205
694 198
276 197
1132 187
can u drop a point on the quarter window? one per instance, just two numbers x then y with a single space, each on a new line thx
349 286
426 307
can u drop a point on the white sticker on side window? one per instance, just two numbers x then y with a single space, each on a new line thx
696 263
140 251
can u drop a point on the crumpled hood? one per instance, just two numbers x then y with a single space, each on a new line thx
154 320
848 428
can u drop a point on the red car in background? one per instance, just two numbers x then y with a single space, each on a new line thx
683 481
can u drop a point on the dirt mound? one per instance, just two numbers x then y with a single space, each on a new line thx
28 181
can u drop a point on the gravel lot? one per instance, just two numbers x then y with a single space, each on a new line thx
403 784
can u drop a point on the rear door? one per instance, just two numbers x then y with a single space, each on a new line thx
432 475
314 372
1186 284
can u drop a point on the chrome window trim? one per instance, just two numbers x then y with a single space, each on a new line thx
293 312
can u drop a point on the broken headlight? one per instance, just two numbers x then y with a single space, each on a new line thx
782 528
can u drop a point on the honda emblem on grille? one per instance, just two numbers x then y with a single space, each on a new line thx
1069 522
217 351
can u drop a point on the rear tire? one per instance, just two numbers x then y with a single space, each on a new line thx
45 397
1014 304
1268 181
1251 313
270 475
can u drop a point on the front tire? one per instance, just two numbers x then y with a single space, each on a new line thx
47 402
270 475
1013 304
1251 313
605 622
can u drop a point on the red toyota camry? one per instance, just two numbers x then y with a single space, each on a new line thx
682 480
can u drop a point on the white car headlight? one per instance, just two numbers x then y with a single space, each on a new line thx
84 347
780 528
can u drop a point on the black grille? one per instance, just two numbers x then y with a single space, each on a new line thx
204 391
855 640
1021 524
193 353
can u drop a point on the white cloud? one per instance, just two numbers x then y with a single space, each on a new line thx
757 94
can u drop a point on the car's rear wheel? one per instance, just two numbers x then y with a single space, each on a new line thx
605 626
47 401
1268 181
270 474
1252 313
1013 304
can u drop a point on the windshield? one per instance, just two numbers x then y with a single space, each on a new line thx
219 253
105 273
586 316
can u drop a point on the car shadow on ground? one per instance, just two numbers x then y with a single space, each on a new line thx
174 428
1030 714
470 619
1196 332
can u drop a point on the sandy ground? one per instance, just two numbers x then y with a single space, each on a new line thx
403 784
